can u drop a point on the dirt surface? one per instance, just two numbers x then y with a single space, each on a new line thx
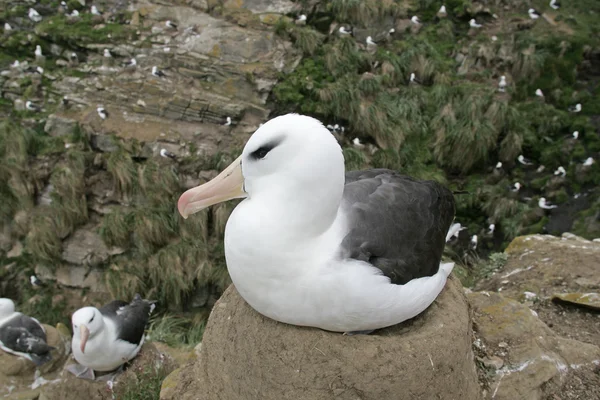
247 356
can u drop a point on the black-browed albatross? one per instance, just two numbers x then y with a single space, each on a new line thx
314 246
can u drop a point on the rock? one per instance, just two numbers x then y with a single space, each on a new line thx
493 362
80 277
586 300
104 143
549 266
17 374
15 251
263 6
538 364
247 356
59 126
86 247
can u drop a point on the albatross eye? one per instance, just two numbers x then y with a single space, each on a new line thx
91 319
261 152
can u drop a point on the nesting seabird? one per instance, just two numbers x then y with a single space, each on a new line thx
442 13
74 14
554 4
227 121
167 154
474 24
107 53
32 107
38 54
545 204
502 84
39 70
22 335
95 11
102 113
491 229
131 63
370 42
494 38
454 231
474 242
301 20
34 15
343 31
533 14
541 168
539 93
36 282
499 165
576 108
157 72
7 27
576 135
560 171
588 162
344 252
169 24
415 20
356 143
524 160
413 79
515 187
106 338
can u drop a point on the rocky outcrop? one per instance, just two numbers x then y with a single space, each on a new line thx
247 356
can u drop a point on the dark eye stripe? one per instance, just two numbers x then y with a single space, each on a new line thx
263 150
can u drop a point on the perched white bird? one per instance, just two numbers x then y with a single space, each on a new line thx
533 14
454 231
554 4
413 79
539 93
36 282
474 242
343 31
227 121
301 20
74 13
356 142
95 11
102 112
588 162
304 217
545 205
22 335
32 107
515 187
491 229
442 12
502 84
524 160
494 38
107 53
539 169
170 24
39 70
34 15
576 135
167 154
392 30
7 27
131 63
157 72
106 338
474 24
499 165
415 20
560 171
576 108
16 64
38 51
370 41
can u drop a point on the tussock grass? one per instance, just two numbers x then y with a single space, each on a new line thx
120 165
177 331
117 227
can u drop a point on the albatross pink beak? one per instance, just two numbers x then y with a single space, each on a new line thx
84 333
228 185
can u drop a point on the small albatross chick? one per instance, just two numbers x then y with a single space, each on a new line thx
342 251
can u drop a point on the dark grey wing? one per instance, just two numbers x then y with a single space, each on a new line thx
24 334
398 223
130 319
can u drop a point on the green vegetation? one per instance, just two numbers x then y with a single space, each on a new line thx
177 331
143 384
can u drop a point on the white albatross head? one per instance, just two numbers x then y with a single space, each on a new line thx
290 165
7 307
87 322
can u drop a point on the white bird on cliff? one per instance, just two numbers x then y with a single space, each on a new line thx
167 154
171 25
7 27
36 282
227 121
370 42
554 4
542 203
499 165
502 84
474 24
34 15
32 107
305 217
539 93
575 135
560 171
39 57
104 339
95 11
301 20
343 31
515 187
524 160
491 229
39 70
413 79
102 113
107 53
588 162
415 20
576 108
540 169
442 12
474 242
356 143
74 14
533 14
454 231
131 63
16 64
157 72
